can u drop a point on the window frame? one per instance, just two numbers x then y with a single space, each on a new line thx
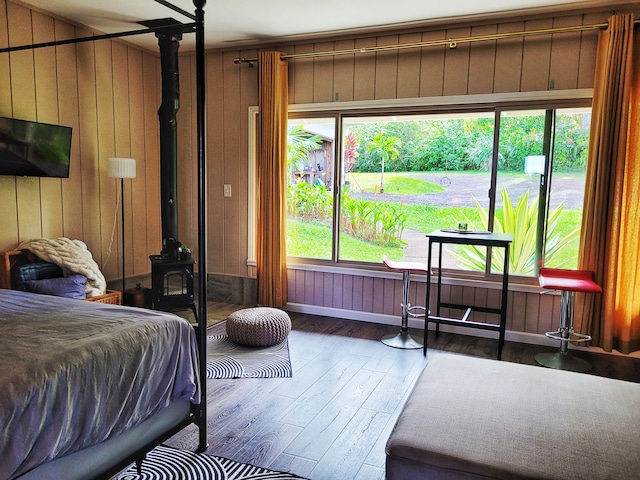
496 103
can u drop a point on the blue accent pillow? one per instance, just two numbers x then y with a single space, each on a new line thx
38 270
72 286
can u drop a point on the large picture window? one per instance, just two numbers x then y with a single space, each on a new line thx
368 184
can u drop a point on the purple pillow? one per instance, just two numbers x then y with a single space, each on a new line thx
72 286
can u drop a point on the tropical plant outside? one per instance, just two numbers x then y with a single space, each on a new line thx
521 221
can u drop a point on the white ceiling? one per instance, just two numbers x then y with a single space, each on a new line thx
233 23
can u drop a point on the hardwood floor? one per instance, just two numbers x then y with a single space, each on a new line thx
331 420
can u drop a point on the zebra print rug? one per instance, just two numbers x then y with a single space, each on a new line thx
164 463
226 359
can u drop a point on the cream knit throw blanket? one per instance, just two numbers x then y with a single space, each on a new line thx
72 256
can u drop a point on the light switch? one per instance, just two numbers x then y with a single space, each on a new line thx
227 189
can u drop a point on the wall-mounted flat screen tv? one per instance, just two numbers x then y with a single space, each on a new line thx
33 149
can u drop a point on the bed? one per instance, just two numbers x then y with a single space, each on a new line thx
86 388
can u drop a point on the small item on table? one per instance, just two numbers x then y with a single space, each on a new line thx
462 227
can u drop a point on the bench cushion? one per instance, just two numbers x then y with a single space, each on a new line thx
476 418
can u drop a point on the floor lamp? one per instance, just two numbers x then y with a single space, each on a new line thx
122 168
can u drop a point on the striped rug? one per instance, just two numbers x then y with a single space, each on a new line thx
164 463
226 359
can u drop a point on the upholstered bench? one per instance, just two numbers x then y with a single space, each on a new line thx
258 326
475 418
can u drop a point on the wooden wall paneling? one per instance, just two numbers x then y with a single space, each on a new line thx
378 292
588 47
88 139
565 55
108 187
347 295
357 294
24 107
386 77
409 67
482 60
152 97
343 72
419 290
67 80
519 303
248 98
480 299
389 297
536 58
367 294
291 286
137 224
432 65
8 207
309 287
337 287
494 299
327 289
317 287
456 64
215 162
323 74
5 80
234 261
364 72
47 112
303 75
508 67
468 298
122 139
299 287
532 314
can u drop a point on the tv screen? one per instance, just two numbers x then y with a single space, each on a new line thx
33 149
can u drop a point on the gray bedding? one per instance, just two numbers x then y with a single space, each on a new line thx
74 373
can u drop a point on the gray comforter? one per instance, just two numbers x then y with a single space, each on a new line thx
74 373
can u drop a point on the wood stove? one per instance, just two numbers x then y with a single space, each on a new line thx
172 284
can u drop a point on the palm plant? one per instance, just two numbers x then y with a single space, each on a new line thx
520 221
299 144
386 148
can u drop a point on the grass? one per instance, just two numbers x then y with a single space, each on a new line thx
313 239
398 183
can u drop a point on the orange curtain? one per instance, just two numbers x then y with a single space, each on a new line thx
610 241
271 170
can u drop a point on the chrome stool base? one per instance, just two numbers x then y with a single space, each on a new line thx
402 340
563 361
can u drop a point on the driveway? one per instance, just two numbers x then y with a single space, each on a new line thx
461 189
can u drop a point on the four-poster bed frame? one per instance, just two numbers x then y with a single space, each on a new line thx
195 413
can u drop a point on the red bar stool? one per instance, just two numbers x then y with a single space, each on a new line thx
404 339
569 282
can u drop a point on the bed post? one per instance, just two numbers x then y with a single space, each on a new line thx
201 417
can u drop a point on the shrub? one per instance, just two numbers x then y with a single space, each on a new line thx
521 221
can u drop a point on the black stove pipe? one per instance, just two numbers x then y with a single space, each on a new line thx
169 42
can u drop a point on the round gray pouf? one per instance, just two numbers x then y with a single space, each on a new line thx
258 326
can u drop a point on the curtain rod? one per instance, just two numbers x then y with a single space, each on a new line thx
452 42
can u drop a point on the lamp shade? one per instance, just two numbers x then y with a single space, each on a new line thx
122 167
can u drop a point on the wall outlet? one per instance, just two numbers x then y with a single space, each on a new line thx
227 189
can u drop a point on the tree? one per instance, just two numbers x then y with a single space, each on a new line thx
299 144
387 149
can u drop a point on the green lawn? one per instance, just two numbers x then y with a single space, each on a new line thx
312 239
398 183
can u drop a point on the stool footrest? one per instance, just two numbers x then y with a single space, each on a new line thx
573 337
416 307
